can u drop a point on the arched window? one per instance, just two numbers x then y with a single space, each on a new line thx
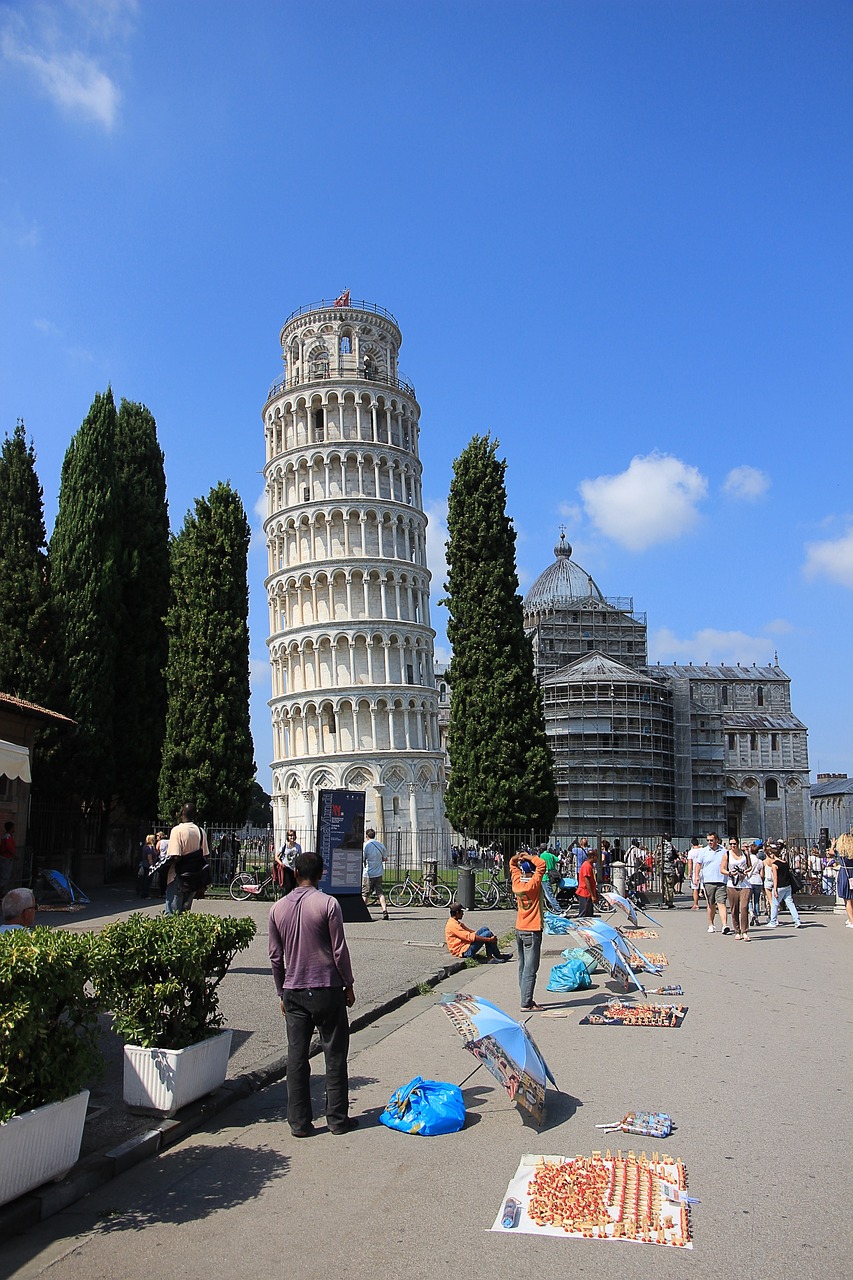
346 344
771 789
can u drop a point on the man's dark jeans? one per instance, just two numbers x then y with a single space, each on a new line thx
322 1009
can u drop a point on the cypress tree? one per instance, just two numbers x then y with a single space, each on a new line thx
84 553
207 751
26 617
501 769
140 706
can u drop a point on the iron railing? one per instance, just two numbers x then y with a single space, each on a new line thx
332 304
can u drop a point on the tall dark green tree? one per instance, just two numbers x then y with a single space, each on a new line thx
85 552
144 571
501 769
26 617
207 752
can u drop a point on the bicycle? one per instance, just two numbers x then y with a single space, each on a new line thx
245 885
495 892
403 893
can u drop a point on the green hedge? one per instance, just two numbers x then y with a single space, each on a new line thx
48 1018
159 975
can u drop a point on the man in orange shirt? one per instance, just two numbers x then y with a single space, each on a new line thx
466 943
587 891
527 873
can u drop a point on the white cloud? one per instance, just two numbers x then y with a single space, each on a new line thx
655 500
442 654
779 627
66 47
746 484
832 559
258 541
571 513
260 676
710 645
436 513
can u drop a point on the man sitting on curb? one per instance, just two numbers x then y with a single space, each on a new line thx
465 943
19 910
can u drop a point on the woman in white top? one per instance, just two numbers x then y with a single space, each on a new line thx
737 867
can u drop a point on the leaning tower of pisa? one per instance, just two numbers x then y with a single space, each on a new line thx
354 702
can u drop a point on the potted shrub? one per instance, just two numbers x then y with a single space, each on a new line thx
49 1050
159 975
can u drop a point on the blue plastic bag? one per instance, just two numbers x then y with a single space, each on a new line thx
571 975
556 924
427 1107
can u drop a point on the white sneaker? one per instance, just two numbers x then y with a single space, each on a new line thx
711 929
771 925
848 924
797 925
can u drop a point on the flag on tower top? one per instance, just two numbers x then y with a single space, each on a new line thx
342 299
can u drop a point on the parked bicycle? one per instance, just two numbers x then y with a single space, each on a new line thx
246 885
426 894
494 892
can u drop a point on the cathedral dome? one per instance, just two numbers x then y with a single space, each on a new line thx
562 583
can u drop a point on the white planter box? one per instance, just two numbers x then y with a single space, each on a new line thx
41 1145
164 1080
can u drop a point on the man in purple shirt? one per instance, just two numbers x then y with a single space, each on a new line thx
312 972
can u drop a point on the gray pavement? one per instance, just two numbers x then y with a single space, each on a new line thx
756 1079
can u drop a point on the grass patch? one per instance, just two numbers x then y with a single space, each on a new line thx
424 989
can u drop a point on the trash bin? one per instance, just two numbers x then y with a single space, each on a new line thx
465 889
430 872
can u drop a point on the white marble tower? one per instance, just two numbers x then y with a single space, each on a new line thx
354 702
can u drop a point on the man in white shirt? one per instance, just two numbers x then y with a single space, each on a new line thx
19 910
707 869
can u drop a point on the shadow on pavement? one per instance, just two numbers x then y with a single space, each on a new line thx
194 1184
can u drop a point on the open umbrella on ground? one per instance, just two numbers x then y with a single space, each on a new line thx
504 1047
629 949
606 950
630 908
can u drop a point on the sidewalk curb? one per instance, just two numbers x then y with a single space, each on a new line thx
102 1166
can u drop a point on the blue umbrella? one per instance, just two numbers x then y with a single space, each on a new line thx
630 908
504 1047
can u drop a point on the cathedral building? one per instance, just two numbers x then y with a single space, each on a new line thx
354 703
641 750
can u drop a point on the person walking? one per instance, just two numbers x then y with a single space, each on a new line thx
527 872
692 854
374 854
7 856
707 868
312 972
782 891
188 856
737 868
842 850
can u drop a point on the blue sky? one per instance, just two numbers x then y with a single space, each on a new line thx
616 235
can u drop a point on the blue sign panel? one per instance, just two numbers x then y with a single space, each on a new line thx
340 840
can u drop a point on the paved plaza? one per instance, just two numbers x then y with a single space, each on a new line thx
756 1079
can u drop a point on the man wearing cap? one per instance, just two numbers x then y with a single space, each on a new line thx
465 943
527 873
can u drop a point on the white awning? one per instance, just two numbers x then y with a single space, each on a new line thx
14 761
